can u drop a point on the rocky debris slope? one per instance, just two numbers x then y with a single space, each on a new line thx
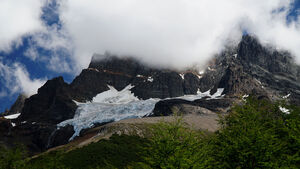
249 68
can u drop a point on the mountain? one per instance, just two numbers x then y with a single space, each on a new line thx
125 85
16 107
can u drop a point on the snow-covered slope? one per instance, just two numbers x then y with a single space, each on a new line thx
114 105
13 116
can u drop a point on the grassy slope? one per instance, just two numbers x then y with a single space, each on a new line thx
117 152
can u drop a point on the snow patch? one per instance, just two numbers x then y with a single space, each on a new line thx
150 79
218 93
200 95
211 69
245 96
284 110
287 96
13 116
182 76
93 69
77 103
235 55
116 97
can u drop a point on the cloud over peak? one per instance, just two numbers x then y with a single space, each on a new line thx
64 34
174 33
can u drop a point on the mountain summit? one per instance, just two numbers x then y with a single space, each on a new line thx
246 69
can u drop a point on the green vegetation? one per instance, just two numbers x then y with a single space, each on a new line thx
12 158
256 134
173 145
117 152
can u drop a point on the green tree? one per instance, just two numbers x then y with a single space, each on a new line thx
257 135
173 145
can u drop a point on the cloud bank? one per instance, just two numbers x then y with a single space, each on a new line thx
18 18
174 33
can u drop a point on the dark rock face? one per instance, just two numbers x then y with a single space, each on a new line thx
18 105
275 70
33 136
166 107
236 82
88 84
60 136
191 83
52 104
40 114
119 73
251 51
5 127
164 84
215 105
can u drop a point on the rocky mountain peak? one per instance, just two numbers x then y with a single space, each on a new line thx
249 68
52 104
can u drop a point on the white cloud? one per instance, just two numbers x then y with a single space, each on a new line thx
18 18
60 48
16 79
173 32
31 53
22 18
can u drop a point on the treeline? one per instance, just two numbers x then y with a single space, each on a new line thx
256 134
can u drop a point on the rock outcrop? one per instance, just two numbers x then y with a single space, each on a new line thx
52 104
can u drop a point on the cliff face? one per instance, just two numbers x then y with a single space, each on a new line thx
148 82
248 68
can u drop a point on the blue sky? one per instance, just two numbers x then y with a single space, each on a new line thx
41 61
36 69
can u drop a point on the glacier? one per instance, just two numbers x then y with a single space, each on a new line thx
113 105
